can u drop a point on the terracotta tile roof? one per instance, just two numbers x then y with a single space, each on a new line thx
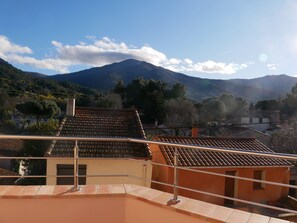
10 147
7 181
193 157
98 122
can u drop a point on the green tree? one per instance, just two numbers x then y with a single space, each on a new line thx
36 148
289 104
149 97
272 104
178 91
180 113
154 107
119 88
285 140
39 109
7 104
111 100
213 110
251 107
235 106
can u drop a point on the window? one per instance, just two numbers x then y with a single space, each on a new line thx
258 175
67 169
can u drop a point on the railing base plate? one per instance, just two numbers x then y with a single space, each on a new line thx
75 189
172 202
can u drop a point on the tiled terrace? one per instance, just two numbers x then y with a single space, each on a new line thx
111 203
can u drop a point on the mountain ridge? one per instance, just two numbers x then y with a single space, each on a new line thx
19 83
105 77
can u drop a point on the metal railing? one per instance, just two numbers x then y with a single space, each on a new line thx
175 166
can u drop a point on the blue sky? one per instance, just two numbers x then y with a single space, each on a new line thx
221 39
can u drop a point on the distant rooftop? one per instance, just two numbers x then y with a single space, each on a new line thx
102 122
199 158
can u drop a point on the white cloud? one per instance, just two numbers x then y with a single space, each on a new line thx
174 61
272 66
8 47
188 61
18 54
90 37
207 67
105 51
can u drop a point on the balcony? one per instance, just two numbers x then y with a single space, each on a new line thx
124 202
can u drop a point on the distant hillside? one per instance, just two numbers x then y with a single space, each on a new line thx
19 83
35 74
281 82
104 78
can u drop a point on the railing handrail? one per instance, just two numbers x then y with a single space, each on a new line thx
145 141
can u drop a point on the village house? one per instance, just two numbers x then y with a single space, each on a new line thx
263 121
111 160
275 170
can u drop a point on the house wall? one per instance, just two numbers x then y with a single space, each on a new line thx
159 173
61 209
216 184
243 189
107 167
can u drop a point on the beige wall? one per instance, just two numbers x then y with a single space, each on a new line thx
113 209
74 210
107 167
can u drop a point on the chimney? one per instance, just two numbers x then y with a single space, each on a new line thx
195 131
70 108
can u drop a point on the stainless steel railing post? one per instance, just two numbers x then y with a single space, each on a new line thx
75 167
175 200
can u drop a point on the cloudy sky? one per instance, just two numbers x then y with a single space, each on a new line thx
202 38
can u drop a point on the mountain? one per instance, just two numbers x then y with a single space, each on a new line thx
19 83
35 74
281 82
104 78
107 76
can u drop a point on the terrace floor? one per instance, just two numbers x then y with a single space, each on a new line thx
121 203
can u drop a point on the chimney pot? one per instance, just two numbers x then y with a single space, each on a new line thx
195 131
70 109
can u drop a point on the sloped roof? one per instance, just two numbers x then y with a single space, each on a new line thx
7 181
99 122
199 158
249 132
10 147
